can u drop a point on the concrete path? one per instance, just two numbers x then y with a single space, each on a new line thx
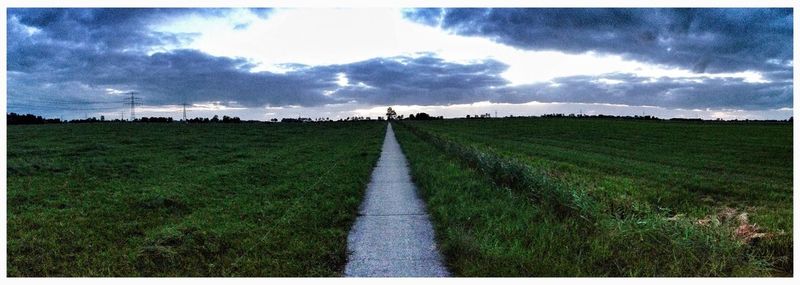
392 236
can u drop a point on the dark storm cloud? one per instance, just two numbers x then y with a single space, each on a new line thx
425 80
429 80
198 77
703 40
431 17
182 75
262 12
102 28
103 48
682 93
93 47
112 28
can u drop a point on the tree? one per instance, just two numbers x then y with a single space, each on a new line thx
227 119
423 116
19 119
390 114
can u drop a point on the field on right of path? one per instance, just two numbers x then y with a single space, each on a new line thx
607 196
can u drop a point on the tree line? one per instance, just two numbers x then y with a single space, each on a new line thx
28 119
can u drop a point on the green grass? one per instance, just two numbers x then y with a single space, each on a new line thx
510 197
688 168
570 197
185 200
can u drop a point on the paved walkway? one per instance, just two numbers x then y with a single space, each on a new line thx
392 236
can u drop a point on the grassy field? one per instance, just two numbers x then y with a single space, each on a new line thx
508 197
574 197
185 200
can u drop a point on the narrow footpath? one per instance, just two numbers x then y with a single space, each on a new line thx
393 236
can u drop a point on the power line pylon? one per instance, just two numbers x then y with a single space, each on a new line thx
134 101
184 113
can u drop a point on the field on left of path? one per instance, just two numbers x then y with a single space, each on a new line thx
185 200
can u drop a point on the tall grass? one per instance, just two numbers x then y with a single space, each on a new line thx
581 235
507 172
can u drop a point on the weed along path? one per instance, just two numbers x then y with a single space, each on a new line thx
392 235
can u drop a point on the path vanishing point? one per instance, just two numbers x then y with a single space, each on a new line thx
392 236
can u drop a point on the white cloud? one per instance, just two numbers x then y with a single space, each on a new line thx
112 91
341 79
609 81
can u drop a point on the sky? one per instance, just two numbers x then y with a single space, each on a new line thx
260 64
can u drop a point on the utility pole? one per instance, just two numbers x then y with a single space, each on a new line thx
184 113
134 101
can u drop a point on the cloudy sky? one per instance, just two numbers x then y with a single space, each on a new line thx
315 62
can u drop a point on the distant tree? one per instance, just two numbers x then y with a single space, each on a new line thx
296 120
198 120
87 120
19 119
423 116
226 119
390 114
154 119
215 119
